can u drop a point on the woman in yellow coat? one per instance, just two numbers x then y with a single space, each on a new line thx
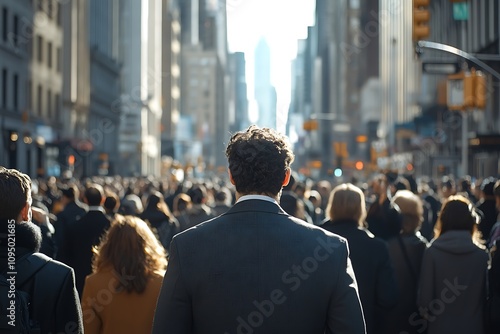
128 267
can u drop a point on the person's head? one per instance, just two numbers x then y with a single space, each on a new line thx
94 195
292 205
223 196
457 214
314 197
496 192
448 187
70 193
487 188
198 194
411 208
131 205
259 161
131 249
15 195
346 202
111 202
182 202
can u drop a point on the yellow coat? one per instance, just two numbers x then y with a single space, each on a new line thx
106 311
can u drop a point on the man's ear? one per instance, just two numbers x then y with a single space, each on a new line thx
26 212
230 177
288 173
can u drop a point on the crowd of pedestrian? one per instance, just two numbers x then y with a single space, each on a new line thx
404 254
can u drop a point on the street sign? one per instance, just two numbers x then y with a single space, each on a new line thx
440 67
460 11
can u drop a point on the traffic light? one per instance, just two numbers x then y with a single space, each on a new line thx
421 18
310 125
475 89
480 90
359 165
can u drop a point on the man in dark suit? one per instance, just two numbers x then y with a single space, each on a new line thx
72 211
256 269
84 234
54 304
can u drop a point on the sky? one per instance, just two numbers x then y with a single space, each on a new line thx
282 23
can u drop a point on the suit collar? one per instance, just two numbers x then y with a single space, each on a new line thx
256 205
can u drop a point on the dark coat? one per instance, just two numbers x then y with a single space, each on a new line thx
68 216
453 284
81 237
489 213
407 275
54 300
257 269
373 269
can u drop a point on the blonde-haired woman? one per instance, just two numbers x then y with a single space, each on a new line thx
346 212
453 274
406 251
128 267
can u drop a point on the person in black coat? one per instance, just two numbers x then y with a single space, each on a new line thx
256 269
370 256
84 234
160 219
406 251
55 306
72 211
487 207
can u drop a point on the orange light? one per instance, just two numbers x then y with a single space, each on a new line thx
71 160
359 165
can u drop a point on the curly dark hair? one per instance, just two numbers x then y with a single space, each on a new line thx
258 160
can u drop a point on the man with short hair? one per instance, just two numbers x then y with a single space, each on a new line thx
84 234
54 303
72 210
256 269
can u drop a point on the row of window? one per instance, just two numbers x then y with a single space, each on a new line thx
10 86
51 101
50 51
52 8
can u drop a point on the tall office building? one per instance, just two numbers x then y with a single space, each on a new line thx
203 118
18 40
238 108
141 86
264 91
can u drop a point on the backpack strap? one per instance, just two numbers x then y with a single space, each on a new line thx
28 265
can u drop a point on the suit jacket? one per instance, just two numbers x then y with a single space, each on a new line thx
255 269
54 302
373 269
118 311
81 237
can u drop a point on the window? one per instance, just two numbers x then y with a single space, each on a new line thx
59 14
15 96
49 54
5 26
57 107
4 88
39 41
16 30
58 60
50 9
39 100
29 97
49 103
